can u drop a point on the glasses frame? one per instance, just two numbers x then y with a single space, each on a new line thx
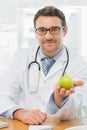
53 30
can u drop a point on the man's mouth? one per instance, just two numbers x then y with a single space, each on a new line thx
49 42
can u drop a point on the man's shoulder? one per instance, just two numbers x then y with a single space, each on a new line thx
22 55
78 62
24 52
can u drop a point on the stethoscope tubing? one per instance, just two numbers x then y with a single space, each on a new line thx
35 61
39 68
34 88
66 62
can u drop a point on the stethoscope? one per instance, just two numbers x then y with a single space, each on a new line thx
34 67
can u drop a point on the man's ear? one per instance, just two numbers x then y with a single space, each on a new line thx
65 30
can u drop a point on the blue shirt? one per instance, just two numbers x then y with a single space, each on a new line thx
42 55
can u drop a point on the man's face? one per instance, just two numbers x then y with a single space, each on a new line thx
50 43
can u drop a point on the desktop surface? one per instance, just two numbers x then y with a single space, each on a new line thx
60 125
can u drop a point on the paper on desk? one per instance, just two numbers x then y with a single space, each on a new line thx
40 127
82 127
3 124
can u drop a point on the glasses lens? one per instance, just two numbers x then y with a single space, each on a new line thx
55 30
41 31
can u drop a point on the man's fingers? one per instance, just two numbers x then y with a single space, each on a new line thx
34 117
78 83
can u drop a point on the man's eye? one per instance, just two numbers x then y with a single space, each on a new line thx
42 30
54 29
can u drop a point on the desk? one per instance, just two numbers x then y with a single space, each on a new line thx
61 125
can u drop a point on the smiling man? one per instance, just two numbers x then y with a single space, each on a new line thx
29 90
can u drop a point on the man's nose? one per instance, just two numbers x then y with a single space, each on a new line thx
48 34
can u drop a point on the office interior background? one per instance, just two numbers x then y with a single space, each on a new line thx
16 26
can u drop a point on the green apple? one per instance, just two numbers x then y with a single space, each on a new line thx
65 82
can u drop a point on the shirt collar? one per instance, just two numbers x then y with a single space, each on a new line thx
42 55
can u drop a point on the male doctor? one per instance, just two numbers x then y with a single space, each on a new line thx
29 91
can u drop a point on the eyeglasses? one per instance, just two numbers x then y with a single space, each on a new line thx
52 30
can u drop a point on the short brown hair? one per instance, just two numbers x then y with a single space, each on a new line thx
50 11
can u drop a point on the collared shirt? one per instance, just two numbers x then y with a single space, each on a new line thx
48 62
42 55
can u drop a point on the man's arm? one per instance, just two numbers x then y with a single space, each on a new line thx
9 113
62 109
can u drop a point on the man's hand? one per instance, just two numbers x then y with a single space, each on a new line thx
60 93
34 117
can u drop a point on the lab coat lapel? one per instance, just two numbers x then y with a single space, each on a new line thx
59 65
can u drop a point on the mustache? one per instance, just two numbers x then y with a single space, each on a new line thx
50 40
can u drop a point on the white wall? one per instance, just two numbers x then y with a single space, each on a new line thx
11 23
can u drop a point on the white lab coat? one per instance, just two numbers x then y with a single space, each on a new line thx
14 89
